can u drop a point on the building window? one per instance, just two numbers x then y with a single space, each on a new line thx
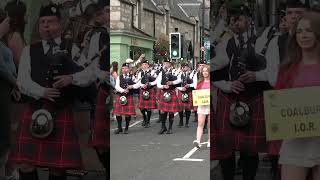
137 15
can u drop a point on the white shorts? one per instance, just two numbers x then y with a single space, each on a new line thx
204 109
301 152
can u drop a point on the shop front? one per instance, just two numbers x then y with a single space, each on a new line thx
125 45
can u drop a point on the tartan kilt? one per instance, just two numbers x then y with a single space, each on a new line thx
173 106
158 95
227 139
150 103
186 105
122 110
274 147
101 122
59 150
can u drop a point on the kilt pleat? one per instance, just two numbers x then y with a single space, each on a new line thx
150 103
173 106
227 139
100 126
158 94
186 105
59 150
122 110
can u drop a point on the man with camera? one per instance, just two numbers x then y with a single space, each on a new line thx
239 111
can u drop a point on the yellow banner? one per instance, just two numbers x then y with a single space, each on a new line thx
292 113
201 97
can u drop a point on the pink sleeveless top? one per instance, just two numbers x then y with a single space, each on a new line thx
307 75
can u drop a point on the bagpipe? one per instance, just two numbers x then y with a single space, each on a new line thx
240 113
186 80
44 111
168 76
127 81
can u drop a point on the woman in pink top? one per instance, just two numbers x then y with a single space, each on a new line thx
300 156
203 111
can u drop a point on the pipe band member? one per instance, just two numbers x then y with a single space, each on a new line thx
124 105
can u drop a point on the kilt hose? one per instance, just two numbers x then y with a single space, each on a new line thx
100 125
186 105
227 139
59 150
150 103
173 106
124 110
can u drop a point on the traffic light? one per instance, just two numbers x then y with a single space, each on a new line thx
175 45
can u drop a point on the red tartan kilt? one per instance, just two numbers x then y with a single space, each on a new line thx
60 150
226 139
188 105
150 103
173 106
158 94
121 110
274 147
101 122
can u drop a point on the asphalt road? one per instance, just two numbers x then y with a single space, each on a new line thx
143 154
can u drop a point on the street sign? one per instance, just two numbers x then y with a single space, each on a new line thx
207 44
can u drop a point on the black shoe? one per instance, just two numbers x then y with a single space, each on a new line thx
186 126
180 125
169 131
118 131
162 131
126 131
159 120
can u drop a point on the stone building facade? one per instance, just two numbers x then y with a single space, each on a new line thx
138 24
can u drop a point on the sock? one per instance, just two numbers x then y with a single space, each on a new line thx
128 118
148 115
181 117
250 165
33 175
171 118
228 168
143 112
57 177
163 120
188 114
119 121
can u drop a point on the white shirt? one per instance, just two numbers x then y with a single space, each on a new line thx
269 74
120 89
193 84
159 79
28 86
140 78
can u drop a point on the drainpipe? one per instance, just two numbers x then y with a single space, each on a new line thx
154 24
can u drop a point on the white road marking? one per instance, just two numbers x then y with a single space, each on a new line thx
190 153
184 159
